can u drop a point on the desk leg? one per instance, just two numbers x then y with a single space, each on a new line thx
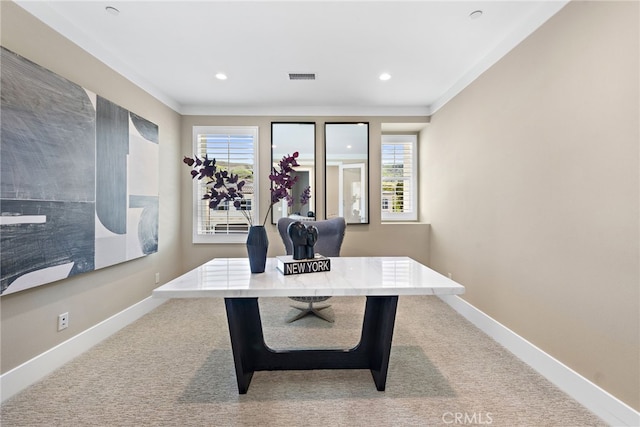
250 352
377 333
245 331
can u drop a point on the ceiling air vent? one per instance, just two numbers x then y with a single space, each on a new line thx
302 76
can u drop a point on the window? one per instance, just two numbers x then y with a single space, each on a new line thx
235 149
399 178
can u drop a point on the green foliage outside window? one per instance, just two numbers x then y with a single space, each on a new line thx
397 195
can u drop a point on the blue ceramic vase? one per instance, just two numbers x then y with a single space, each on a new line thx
257 246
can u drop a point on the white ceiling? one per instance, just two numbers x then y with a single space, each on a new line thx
173 49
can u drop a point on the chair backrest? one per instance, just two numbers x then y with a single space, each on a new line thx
330 235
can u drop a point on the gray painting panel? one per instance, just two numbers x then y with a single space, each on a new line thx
47 132
66 236
112 146
148 226
148 130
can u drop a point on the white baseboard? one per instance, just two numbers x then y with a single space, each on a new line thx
613 411
21 377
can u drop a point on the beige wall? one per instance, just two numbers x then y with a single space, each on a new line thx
29 318
361 239
533 190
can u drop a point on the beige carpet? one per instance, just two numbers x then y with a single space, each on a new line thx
174 367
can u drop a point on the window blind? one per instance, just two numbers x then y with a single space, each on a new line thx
398 179
233 152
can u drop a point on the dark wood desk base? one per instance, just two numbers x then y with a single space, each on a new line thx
251 354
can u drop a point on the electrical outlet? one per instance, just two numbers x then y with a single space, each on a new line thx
63 321
157 278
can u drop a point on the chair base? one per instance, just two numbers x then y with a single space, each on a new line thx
311 309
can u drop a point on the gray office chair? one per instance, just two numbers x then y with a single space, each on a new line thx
330 237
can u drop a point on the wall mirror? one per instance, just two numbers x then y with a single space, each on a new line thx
287 138
347 171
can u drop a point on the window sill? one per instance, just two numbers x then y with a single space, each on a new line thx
404 223
219 239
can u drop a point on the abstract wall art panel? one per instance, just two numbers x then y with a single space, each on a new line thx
78 179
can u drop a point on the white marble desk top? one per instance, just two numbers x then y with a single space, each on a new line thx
349 276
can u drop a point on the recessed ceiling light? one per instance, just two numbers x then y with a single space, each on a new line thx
385 76
475 14
112 10
348 146
221 76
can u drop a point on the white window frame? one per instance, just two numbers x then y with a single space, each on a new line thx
239 236
412 180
